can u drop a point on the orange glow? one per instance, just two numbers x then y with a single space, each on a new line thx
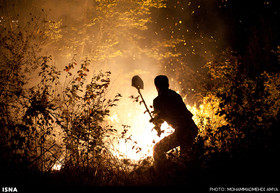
57 166
142 136
145 142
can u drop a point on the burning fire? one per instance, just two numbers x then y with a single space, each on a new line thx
142 137
57 166
141 145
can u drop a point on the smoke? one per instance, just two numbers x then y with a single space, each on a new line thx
77 30
115 49
128 38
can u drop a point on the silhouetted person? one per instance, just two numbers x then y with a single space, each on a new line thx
169 107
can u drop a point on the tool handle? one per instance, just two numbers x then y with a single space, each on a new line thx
144 103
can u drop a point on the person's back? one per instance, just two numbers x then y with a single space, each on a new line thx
169 107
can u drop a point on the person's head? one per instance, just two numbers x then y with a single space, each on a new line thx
161 82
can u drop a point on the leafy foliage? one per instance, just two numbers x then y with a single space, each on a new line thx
240 111
75 114
83 113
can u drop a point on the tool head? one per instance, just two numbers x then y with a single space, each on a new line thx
137 82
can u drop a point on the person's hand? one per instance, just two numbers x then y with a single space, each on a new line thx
158 130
